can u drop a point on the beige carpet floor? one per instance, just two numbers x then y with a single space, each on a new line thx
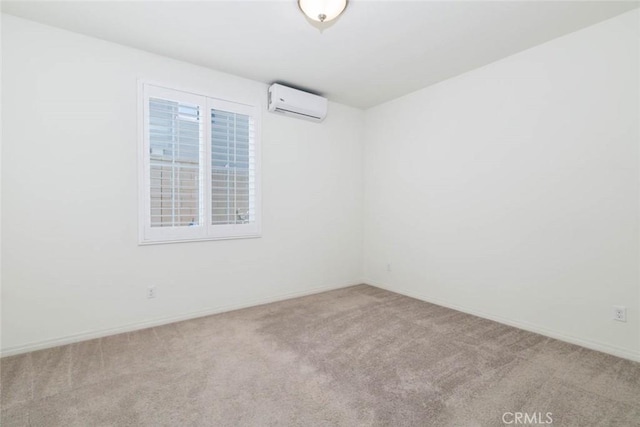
355 356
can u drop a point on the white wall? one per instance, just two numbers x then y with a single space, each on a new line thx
71 264
512 191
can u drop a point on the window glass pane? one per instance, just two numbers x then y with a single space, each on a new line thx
232 168
174 145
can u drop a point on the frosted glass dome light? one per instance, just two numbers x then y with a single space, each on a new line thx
322 10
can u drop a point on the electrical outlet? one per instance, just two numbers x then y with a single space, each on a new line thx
151 292
620 313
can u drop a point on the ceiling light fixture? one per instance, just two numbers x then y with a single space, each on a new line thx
322 10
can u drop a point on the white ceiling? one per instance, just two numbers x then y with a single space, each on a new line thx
376 51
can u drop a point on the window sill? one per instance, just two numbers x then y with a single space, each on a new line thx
204 239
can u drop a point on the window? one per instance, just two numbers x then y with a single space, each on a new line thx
199 168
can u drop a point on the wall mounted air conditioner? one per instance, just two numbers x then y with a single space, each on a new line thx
296 103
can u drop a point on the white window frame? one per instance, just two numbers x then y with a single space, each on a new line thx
206 230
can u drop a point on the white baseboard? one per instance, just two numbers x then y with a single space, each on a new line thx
89 335
593 345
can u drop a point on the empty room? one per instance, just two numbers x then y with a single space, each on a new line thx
320 213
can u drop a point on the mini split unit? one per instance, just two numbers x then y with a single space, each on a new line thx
296 103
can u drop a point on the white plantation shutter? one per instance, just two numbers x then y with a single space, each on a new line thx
200 168
232 168
175 135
